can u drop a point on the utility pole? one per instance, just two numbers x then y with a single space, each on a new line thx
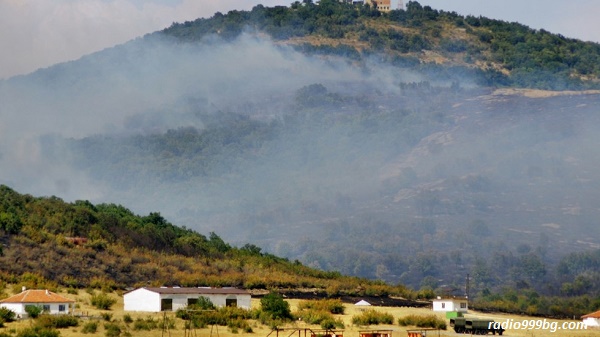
467 288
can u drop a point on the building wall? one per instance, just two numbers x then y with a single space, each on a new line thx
54 308
449 305
141 300
592 322
17 308
382 5
149 301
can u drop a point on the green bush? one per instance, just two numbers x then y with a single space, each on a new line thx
37 331
373 317
56 321
90 327
103 301
145 324
275 306
127 319
423 321
333 306
112 330
106 316
33 310
7 315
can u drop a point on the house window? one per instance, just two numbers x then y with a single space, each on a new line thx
463 305
231 302
192 301
61 308
166 304
46 308
443 305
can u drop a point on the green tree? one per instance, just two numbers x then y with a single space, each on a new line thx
274 305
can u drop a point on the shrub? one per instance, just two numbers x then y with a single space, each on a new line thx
373 317
56 321
90 327
333 306
275 306
112 330
106 316
127 318
33 310
145 324
37 331
331 323
7 315
103 301
423 321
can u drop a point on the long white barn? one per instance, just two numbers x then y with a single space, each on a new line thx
151 299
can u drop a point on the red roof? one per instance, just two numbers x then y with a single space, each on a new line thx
592 315
37 296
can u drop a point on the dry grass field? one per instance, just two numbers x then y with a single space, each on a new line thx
117 314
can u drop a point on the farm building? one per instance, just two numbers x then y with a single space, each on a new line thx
592 320
458 304
170 299
50 302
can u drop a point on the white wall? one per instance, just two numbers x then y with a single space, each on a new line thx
19 308
592 322
448 305
149 301
141 300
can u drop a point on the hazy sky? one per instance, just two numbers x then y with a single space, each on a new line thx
38 33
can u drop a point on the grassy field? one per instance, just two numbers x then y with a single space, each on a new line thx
350 330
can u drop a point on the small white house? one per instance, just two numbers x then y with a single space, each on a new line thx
50 302
151 299
592 320
458 304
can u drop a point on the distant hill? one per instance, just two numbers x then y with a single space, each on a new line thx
442 45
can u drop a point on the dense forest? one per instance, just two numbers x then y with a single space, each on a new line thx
442 45
402 149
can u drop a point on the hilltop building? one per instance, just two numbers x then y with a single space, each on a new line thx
149 299
51 303
381 5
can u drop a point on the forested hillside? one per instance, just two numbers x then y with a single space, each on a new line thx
47 242
442 45
413 148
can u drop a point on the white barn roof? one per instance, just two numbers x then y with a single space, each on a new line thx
199 291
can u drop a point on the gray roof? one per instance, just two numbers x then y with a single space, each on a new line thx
199 291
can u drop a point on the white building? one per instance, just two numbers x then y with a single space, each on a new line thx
51 303
150 299
592 320
458 304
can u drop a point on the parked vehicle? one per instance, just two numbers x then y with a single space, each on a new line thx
475 326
